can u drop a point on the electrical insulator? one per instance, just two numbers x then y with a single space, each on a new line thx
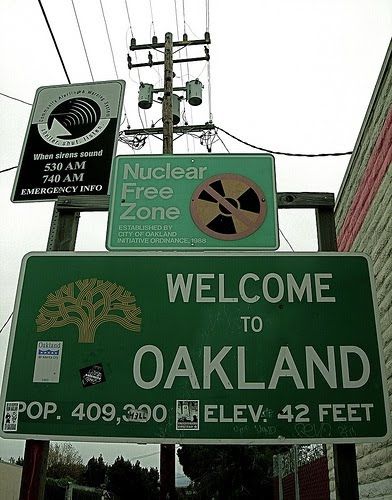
145 95
154 39
176 108
194 92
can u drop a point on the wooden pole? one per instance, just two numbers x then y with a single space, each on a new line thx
344 456
62 236
167 451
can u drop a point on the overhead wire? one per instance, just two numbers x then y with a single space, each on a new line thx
187 64
82 38
186 48
129 18
7 169
280 231
209 92
5 324
138 73
191 30
112 52
224 145
54 40
152 19
287 241
16 99
208 65
207 15
109 40
308 155
182 75
145 456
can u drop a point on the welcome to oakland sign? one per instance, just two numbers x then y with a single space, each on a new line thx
265 348
70 141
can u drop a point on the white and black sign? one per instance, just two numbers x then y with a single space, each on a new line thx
70 141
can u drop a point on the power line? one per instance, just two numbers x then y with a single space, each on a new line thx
187 64
224 145
280 152
152 20
54 40
15 99
81 36
110 42
208 15
7 169
287 241
183 14
138 73
182 76
281 232
5 324
145 456
209 90
111 49
129 18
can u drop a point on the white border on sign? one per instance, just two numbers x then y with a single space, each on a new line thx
33 109
195 440
274 207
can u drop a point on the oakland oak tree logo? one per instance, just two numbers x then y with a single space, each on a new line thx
88 303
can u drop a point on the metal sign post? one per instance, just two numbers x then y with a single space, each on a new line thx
345 459
62 236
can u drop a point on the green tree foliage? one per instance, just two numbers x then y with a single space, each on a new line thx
65 462
95 474
126 480
229 472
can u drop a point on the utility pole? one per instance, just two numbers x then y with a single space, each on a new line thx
344 454
62 236
167 451
167 104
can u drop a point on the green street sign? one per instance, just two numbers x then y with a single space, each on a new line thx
201 348
193 202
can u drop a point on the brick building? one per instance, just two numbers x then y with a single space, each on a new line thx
364 224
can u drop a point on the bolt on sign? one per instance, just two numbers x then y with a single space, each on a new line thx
70 141
238 348
193 202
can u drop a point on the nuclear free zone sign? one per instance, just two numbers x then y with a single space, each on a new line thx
193 202
70 141
273 348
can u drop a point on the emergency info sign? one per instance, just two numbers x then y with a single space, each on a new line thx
70 141
265 348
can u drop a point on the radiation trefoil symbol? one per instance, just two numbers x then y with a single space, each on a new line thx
228 207
87 304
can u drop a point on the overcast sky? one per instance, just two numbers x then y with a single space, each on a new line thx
287 75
